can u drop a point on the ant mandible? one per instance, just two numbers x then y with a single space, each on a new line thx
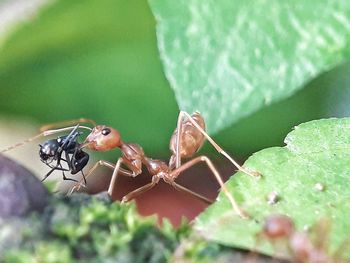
186 140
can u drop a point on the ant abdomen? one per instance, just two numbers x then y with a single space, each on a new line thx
191 138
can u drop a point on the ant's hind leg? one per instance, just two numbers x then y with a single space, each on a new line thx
140 190
183 115
186 190
175 173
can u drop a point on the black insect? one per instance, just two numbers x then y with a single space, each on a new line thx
51 153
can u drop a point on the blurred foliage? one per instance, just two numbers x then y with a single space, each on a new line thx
317 152
95 59
324 97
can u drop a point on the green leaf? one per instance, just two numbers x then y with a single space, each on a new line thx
229 58
317 152
93 59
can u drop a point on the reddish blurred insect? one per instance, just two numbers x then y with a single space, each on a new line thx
303 246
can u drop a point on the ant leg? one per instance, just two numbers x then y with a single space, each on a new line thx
60 168
77 186
175 173
56 125
186 190
43 134
84 177
63 170
113 181
68 179
98 164
68 160
178 140
51 171
60 165
140 190
182 116
48 174
116 172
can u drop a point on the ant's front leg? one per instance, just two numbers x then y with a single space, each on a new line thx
116 170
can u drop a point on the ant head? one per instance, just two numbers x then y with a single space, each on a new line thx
45 158
103 138
48 151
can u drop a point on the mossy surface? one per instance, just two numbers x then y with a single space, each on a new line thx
83 228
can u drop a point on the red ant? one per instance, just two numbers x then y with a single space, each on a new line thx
186 140
302 249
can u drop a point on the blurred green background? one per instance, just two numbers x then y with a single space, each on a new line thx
99 60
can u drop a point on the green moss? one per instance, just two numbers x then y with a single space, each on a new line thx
85 228
54 252
89 229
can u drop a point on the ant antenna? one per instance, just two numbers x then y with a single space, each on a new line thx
43 134
56 125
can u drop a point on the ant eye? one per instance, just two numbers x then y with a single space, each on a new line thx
106 131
